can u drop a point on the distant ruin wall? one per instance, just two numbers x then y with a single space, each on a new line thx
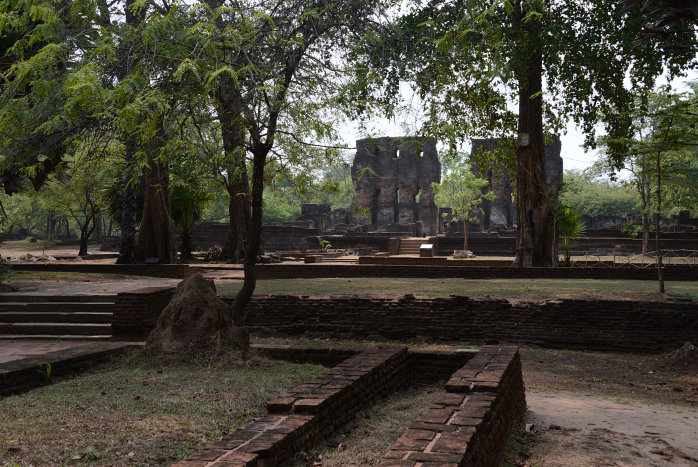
389 174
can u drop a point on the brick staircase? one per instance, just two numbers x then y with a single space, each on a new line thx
56 316
410 246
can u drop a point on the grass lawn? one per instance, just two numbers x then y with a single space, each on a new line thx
508 289
138 412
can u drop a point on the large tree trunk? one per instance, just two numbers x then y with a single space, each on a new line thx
156 238
129 209
254 240
237 184
535 235
134 17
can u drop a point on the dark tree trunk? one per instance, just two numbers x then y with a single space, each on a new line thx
535 235
657 225
645 231
99 228
85 231
254 240
645 191
237 183
50 225
129 209
156 238
185 247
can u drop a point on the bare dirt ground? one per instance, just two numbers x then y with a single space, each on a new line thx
594 408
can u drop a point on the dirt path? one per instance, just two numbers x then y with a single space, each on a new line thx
603 408
589 430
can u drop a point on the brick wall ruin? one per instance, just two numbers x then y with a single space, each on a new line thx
389 174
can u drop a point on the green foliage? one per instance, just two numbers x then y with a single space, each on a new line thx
187 205
278 208
324 244
570 225
592 196
45 371
461 191
666 128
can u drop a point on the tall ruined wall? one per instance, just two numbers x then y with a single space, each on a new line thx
501 212
388 174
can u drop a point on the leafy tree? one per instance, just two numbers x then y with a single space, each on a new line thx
76 192
664 131
570 225
265 64
278 209
24 213
40 47
590 195
188 203
483 55
462 191
661 147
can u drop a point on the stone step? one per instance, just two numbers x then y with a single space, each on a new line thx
56 329
56 317
31 298
410 246
50 307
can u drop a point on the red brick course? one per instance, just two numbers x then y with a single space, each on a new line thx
468 424
310 412
616 325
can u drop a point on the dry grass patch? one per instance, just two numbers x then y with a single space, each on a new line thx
371 434
514 290
137 412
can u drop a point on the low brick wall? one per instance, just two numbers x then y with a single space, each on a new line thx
645 327
137 312
310 412
425 367
433 261
26 373
169 271
468 425
297 271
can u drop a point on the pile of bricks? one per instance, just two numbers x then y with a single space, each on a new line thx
310 412
467 425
